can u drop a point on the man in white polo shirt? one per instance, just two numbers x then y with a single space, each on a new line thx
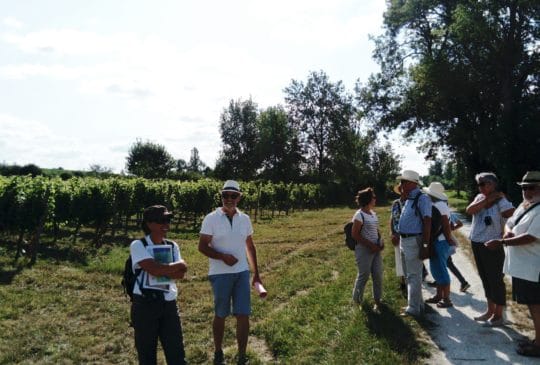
226 238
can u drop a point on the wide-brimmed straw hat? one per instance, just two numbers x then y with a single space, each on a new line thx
410 175
436 190
530 178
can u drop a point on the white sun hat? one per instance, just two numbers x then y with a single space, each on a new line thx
436 189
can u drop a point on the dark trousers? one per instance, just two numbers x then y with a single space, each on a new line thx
153 319
490 265
455 271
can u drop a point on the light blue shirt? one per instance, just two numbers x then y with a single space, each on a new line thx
409 221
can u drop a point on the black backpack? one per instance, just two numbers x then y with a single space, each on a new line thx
349 240
129 277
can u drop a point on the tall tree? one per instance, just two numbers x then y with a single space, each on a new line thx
149 160
279 147
467 73
239 137
195 163
325 115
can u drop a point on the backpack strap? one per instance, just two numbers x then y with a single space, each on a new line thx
138 271
525 212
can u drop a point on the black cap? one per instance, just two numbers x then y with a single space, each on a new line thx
156 213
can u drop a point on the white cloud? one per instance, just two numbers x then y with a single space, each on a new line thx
11 22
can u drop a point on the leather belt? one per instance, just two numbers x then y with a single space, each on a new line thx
405 235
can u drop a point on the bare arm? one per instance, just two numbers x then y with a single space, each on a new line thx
206 249
174 270
522 239
252 258
508 213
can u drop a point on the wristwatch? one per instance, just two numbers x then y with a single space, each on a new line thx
425 244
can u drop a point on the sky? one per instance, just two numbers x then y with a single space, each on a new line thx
82 81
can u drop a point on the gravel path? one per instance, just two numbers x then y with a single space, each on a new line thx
462 340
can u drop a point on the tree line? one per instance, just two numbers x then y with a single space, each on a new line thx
314 138
31 206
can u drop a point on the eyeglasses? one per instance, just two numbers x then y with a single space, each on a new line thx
528 187
229 196
163 220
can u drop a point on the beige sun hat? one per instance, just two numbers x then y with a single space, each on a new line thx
530 178
436 189
410 175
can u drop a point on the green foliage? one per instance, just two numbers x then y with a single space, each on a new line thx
149 160
467 74
30 204
325 115
239 137
279 147
66 312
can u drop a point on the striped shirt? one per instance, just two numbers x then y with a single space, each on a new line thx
370 225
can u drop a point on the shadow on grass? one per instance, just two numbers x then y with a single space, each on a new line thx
7 276
394 330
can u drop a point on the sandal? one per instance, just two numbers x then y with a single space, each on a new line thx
433 300
445 303
530 349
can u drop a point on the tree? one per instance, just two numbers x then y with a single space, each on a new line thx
99 170
195 164
149 160
466 73
325 115
279 146
238 127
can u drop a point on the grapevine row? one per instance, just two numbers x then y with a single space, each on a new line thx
28 206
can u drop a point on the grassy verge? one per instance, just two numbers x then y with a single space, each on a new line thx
73 311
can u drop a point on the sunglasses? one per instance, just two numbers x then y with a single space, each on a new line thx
483 183
163 220
229 196
528 187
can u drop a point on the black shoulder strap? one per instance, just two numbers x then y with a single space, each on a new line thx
138 271
525 212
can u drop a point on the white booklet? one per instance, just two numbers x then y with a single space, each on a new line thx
164 255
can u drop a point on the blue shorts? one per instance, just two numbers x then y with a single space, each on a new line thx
235 287
437 263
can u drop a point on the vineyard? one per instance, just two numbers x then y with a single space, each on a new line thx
31 206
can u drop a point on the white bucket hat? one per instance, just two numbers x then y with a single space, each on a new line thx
231 185
436 189
410 175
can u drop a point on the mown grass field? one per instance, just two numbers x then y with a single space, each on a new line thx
69 308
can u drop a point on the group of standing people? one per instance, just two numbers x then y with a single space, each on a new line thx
495 224
226 239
